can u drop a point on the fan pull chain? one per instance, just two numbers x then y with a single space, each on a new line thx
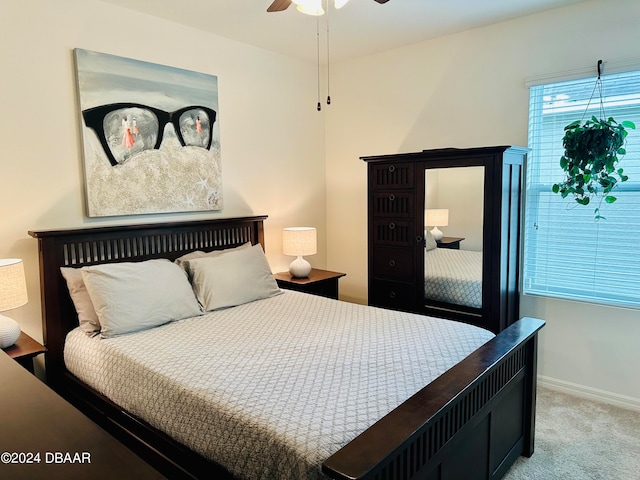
318 58
328 60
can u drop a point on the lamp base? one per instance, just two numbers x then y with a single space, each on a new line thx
436 233
300 268
9 331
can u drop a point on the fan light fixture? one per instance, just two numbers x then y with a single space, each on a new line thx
314 7
310 7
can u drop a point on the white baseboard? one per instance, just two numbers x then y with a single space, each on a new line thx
589 393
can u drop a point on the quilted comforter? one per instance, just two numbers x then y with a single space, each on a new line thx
271 388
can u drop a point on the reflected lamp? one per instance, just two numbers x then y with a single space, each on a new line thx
436 217
297 242
13 294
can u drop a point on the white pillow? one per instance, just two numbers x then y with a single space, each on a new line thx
84 308
134 296
231 279
429 242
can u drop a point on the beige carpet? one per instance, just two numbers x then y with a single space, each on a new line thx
578 439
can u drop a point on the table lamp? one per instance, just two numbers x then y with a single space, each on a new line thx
13 294
299 241
436 217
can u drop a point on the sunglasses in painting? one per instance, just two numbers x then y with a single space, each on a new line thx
126 129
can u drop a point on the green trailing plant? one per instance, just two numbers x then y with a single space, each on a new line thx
591 153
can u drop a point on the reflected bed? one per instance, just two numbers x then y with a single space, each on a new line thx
453 276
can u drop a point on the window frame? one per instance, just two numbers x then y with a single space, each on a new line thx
538 198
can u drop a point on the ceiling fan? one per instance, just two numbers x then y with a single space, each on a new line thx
310 7
313 7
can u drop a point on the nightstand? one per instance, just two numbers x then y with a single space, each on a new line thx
450 242
319 282
24 351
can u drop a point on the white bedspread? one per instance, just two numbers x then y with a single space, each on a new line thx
272 388
453 276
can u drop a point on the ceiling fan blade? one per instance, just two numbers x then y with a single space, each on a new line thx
279 5
381 1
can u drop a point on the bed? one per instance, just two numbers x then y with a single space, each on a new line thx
470 422
453 276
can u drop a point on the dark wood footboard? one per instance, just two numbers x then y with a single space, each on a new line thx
470 423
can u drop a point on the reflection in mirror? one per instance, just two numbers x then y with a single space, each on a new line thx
454 200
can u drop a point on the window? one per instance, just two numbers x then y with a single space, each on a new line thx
567 253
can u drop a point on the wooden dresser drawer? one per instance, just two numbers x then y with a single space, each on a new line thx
394 263
392 175
394 233
397 204
394 295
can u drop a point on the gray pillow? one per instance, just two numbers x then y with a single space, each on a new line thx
182 261
133 296
234 278
87 316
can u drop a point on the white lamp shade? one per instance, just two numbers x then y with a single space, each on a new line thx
13 287
436 217
298 241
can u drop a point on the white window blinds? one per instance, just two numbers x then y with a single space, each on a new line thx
566 252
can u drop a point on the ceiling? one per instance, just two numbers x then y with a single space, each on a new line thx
362 27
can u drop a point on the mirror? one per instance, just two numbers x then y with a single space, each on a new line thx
454 200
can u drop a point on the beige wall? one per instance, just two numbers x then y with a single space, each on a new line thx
469 90
272 138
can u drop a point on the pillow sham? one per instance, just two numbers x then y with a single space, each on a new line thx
87 316
129 296
234 278
182 261
430 242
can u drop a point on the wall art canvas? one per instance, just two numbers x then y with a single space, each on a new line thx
150 135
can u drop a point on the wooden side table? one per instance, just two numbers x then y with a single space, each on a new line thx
450 242
319 282
25 350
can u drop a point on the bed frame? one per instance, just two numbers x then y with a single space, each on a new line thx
470 423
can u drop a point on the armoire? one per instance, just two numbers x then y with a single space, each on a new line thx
480 188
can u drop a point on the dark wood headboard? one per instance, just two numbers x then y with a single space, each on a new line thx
129 243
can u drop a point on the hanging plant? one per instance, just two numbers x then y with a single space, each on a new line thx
591 155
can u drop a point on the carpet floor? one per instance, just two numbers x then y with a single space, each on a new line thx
579 439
